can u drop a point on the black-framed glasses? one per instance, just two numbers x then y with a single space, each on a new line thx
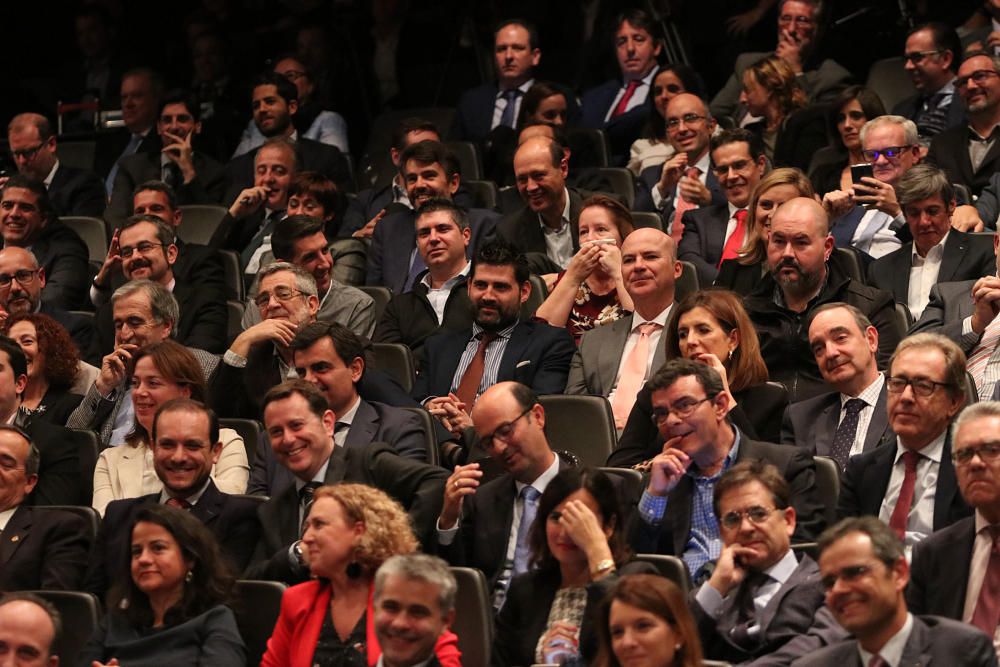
688 118
988 452
848 574
503 431
23 276
980 76
27 153
889 153
921 387
142 248
917 57
756 514
722 170
682 408
281 293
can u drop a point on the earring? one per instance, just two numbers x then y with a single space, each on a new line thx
677 647
188 577
731 353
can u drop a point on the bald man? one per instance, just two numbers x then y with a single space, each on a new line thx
649 269
800 280
33 145
546 228
28 629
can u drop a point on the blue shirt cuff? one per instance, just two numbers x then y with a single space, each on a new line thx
652 508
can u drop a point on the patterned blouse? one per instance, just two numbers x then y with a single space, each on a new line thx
591 310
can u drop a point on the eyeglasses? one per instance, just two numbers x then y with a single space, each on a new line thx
688 118
848 574
24 276
142 248
921 387
756 514
281 293
503 432
979 76
722 170
682 408
889 153
917 57
27 153
988 452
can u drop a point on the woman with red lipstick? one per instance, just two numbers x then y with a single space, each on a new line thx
851 110
161 372
350 530
169 606
577 546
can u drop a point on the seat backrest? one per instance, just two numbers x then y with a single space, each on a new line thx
88 451
903 319
888 78
622 183
688 282
971 393
851 263
539 292
234 323
395 359
581 425
381 296
594 143
828 486
483 192
94 233
470 166
233 274
671 567
257 606
631 483
249 430
199 222
350 258
642 219
473 617
430 438
80 613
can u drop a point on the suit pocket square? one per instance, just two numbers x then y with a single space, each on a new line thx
520 364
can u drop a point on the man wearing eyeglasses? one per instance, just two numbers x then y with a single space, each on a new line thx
676 511
967 152
956 572
909 480
931 58
33 146
864 570
144 249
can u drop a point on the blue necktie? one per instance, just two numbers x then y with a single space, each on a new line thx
133 146
522 552
507 118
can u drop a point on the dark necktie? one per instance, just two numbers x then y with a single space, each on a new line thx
179 503
507 118
266 229
843 439
901 513
622 105
306 500
468 387
747 610
987 613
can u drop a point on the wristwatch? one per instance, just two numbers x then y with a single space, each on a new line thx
297 553
606 566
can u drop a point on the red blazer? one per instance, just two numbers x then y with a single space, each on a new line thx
303 608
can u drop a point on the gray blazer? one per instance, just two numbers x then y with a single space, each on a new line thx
812 423
949 305
597 358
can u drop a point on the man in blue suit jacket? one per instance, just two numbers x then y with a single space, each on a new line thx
619 106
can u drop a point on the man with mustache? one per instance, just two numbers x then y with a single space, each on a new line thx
429 171
148 252
852 419
676 511
800 280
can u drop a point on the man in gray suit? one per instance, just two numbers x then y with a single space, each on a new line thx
865 572
649 269
852 419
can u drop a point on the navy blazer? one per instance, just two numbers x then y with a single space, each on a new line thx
956 111
537 355
704 239
621 131
474 114
648 179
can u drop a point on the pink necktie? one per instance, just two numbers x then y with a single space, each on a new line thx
987 613
901 512
735 240
633 374
681 206
622 105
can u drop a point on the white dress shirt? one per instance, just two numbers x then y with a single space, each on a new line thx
559 242
870 396
920 522
5 518
500 103
340 435
892 650
633 339
638 97
438 296
923 275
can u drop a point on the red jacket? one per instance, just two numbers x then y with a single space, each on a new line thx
303 609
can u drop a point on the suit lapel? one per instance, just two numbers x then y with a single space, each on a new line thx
15 532
337 467
947 487
877 479
610 355
512 354
678 514
915 652
878 424
209 505
806 568
826 426
954 252
363 427
901 272
129 472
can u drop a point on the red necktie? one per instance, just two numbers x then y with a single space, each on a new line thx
877 661
735 240
468 386
681 206
179 503
901 513
623 102
987 613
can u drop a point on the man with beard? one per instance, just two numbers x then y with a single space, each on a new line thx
429 171
460 365
800 280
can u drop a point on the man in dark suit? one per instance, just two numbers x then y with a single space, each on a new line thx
476 527
72 191
852 419
908 481
760 595
932 54
185 447
141 91
965 152
429 171
937 253
147 250
301 429
194 177
676 512
460 365
716 232
28 220
952 572
686 180
619 106
443 235
864 568
39 548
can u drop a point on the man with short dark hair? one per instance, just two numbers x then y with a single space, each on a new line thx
33 144
931 54
29 626
864 570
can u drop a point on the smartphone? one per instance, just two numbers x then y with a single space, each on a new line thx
859 171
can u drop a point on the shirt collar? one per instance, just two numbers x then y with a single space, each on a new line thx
52 174
562 223
524 88
784 568
503 333
448 284
646 80
5 517
320 475
693 472
934 253
542 480
981 522
348 417
660 319
932 450
191 499
869 394
892 650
